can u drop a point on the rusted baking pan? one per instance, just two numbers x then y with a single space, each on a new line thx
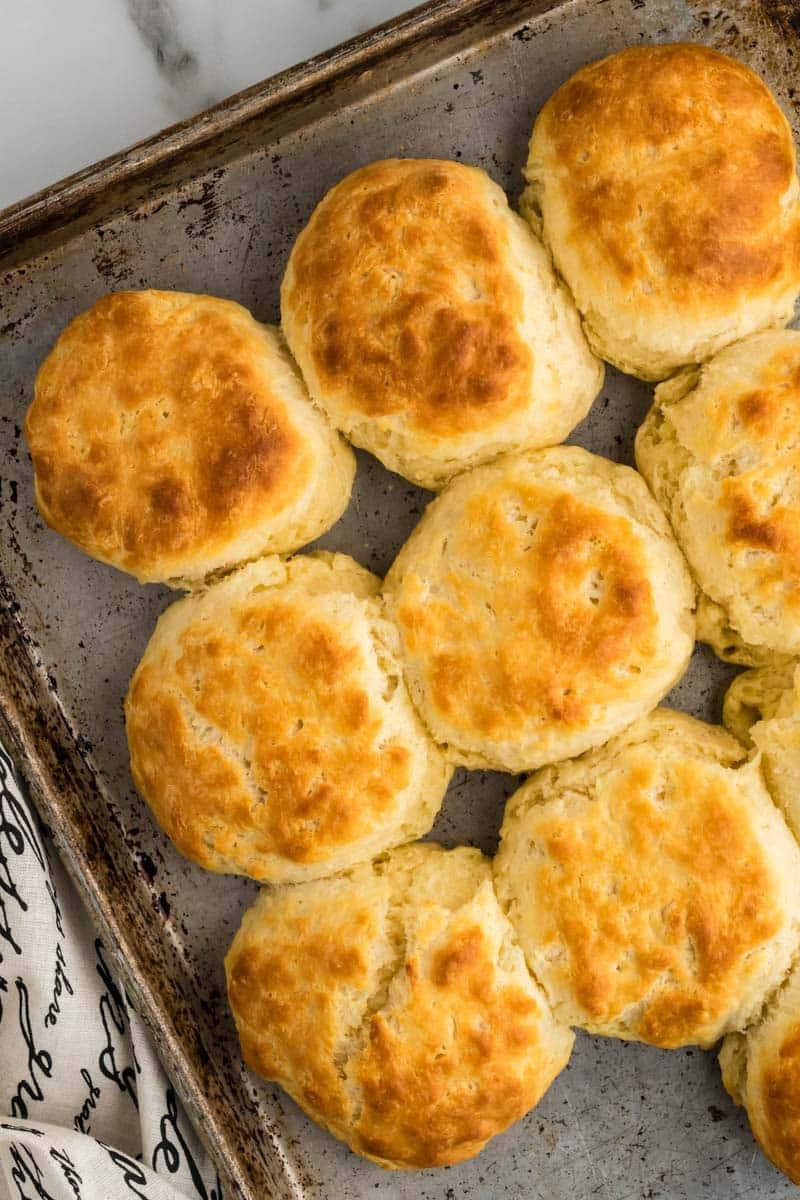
213 206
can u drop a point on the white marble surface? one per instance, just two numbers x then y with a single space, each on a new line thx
80 79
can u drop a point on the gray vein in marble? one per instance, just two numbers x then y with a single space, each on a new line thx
157 24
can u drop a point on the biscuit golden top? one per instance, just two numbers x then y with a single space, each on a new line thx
163 429
420 1035
653 884
668 173
781 1098
269 727
403 283
761 1070
687 148
540 601
720 448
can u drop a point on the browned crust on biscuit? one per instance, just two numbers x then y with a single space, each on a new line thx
674 162
324 778
268 729
284 992
561 590
392 1003
762 511
403 285
657 886
430 1098
156 434
721 921
724 459
780 1092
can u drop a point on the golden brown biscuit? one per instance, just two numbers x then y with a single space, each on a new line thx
762 709
543 606
269 727
172 437
393 1004
428 322
761 1071
654 886
663 181
720 451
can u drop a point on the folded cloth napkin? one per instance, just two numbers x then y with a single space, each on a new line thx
86 1111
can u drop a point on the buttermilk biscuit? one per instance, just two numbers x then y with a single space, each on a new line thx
762 709
394 1005
663 181
653 884
428 322
172 437
720 450
761 1071
269 727
543 606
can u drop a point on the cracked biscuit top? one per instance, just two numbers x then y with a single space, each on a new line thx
762 709
542 606
721 450
172 437
663 181
429 324
269 727
654 886
421 1034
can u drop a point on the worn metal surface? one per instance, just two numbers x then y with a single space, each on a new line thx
214 206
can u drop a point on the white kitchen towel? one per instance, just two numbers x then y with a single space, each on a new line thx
86 1111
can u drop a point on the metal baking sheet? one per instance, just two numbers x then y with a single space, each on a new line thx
214 206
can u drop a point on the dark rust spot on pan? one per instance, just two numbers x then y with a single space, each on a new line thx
784 15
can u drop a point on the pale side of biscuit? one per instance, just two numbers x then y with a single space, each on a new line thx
715 629
721 453
543 606
429 324
270 729
663 181
172 437
653 884
421 1034
761 1071
762 709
